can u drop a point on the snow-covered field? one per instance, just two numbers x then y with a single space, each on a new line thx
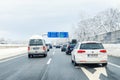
9 52
11 45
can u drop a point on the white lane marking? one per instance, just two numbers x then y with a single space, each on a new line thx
44 74
96 74
114 65
1 61
49 61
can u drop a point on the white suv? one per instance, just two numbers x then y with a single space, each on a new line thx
37 46
91 52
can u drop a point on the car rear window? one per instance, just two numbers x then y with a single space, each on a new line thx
64 45
35 42
47 45
91 46
72 45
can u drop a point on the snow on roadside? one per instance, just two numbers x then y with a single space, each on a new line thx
113 49
9 52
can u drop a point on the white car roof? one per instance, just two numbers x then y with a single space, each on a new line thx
36 37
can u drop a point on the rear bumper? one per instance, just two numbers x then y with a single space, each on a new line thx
91 61
42 53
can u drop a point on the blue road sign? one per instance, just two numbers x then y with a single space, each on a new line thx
53 34
63 35
58 35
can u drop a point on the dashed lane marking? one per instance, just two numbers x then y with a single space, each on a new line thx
49 61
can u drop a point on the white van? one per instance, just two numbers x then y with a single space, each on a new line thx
37 46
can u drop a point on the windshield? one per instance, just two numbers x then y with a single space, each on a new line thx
64 45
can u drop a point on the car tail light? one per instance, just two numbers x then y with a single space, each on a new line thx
82 61
69 46
103 51
81 51
44 48
29 48
103 61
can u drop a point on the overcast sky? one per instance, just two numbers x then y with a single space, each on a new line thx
19 19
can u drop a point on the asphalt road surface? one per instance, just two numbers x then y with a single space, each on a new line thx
56 66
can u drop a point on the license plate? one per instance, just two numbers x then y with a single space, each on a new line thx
93 55
36 48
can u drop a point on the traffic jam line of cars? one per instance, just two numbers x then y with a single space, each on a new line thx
87 52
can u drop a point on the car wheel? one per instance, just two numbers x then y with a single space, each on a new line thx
45 55
67 53
104 64
48 50
74 62
30 56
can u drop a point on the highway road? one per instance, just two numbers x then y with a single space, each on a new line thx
56 66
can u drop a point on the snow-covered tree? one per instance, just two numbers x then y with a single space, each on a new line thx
105 21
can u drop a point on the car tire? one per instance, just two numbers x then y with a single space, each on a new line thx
30 55
72 61
67 53
104 64
45 55
75 64
48 50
